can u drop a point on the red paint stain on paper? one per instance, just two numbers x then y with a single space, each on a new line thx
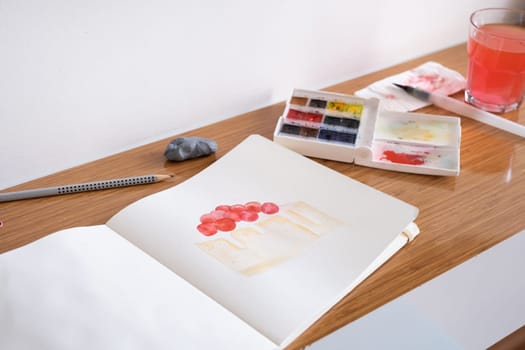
403 158
429 82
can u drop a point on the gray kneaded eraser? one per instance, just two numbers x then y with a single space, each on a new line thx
184 148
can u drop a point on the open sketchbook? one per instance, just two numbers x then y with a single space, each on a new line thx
246 254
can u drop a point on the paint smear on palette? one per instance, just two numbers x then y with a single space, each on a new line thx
421 130
404 158
427 156
1 224
415 133
406 131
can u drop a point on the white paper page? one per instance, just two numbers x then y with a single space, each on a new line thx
88 288
288 296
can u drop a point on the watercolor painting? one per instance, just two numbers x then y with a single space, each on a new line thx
254 237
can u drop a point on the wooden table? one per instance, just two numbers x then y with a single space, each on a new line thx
459 216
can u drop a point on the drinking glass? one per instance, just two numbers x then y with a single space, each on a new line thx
496 52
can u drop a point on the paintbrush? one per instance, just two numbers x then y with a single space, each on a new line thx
465 109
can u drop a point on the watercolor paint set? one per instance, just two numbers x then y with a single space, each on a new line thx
356 130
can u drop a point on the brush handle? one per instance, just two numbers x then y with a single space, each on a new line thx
469 111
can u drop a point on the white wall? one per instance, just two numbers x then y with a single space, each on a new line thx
80 80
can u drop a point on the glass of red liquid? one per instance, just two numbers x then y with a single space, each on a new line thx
496 51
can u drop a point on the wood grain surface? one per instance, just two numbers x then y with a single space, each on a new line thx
459 216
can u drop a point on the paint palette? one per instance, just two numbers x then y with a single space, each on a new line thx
353 129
